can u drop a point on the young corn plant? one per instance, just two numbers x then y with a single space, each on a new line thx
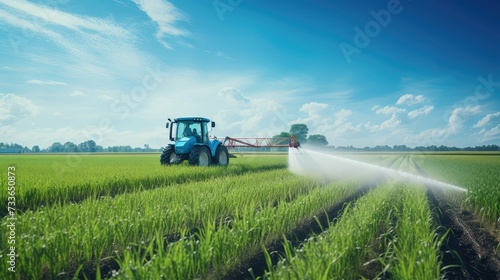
216 248
338 252
60 239
415 244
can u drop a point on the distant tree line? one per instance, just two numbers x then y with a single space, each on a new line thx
299 130
404 148
88 146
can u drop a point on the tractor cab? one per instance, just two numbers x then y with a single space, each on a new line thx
192 128
192 142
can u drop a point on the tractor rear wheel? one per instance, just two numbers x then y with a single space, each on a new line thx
199 155
168 155
221 155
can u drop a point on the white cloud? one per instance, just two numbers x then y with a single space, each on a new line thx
88 47
486 120
166 15
341 124
234 96
410 99
14 108
341 116
454 126
389 110
48 16
315 113
491 134
421 111
45 82
320 120
389 124
313 108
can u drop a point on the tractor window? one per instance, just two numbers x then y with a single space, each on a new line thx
189 129
204 137
182 130
196 129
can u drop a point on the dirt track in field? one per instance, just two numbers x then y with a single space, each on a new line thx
258 264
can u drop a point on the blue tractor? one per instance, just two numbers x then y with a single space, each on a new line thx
193 144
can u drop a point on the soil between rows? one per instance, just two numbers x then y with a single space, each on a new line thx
469 249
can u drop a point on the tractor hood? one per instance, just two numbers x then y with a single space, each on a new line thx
184 145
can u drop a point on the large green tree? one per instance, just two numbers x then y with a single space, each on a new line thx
300 131
56 147
317 140
88 146
70 147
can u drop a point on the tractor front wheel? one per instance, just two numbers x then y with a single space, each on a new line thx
199 155
168 155
221 155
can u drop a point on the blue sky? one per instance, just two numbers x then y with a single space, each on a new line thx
362 73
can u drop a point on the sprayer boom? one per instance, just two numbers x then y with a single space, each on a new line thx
291 142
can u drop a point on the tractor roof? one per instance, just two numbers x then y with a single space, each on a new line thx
195 119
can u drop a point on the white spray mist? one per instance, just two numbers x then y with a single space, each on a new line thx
329 167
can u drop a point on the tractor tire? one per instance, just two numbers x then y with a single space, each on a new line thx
200 155
168 155
221 155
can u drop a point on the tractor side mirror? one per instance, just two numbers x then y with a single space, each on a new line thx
166 126
213 124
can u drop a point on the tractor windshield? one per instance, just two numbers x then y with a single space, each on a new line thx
189 128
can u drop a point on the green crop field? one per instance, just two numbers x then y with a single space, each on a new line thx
128 217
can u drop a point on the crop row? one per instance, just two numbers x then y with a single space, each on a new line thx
39 184
218 248
479 174
58 239
410 247
413 245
